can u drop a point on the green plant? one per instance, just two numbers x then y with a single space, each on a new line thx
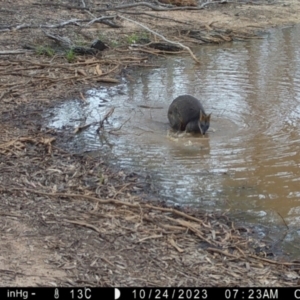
81 43
103 38
144 35
137 37
70 55
114 44
45 50
133 38
102 178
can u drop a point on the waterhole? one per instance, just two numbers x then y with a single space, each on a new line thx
248 164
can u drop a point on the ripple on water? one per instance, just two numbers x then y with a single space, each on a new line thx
249 161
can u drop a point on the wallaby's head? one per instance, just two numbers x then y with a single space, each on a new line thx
203 123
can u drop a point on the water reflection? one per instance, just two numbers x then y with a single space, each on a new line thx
251 160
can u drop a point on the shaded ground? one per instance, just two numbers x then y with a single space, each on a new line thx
68 219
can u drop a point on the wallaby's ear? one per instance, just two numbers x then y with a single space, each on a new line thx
208 117
201 117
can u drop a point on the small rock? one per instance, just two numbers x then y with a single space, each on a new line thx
97 44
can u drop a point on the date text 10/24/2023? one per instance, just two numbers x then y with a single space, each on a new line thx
212 293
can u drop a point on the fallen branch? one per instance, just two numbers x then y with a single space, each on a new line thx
155 8
65 41
156 236
70 65
162 37
274 262
103 19
107 201
106 116
222 252
159 8
67 195
124 6
84 224
150 107
153 52
80 128
72 21
61 5
179 213
15 27
192 229
120 127
7 52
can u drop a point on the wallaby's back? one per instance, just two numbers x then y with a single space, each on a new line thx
185 112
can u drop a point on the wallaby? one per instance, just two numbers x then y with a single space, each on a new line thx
186 113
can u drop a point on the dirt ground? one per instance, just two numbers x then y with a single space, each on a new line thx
69 219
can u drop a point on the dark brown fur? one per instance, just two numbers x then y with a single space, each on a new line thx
187 113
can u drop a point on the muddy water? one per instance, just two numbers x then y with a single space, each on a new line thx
249 163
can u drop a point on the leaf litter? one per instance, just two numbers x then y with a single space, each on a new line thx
107 234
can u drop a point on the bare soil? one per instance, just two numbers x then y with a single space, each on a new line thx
70 219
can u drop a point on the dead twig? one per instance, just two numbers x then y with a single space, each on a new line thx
153 7
286 225
64 66
80 128
72 21
154 51
96 77
162 37
173 243
58 5
124 6
157 236
150 107
106 116
7 52
179 213
66 195
100 19
84 224
76 22
222 252
65 41
120 127
192 229
273 261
